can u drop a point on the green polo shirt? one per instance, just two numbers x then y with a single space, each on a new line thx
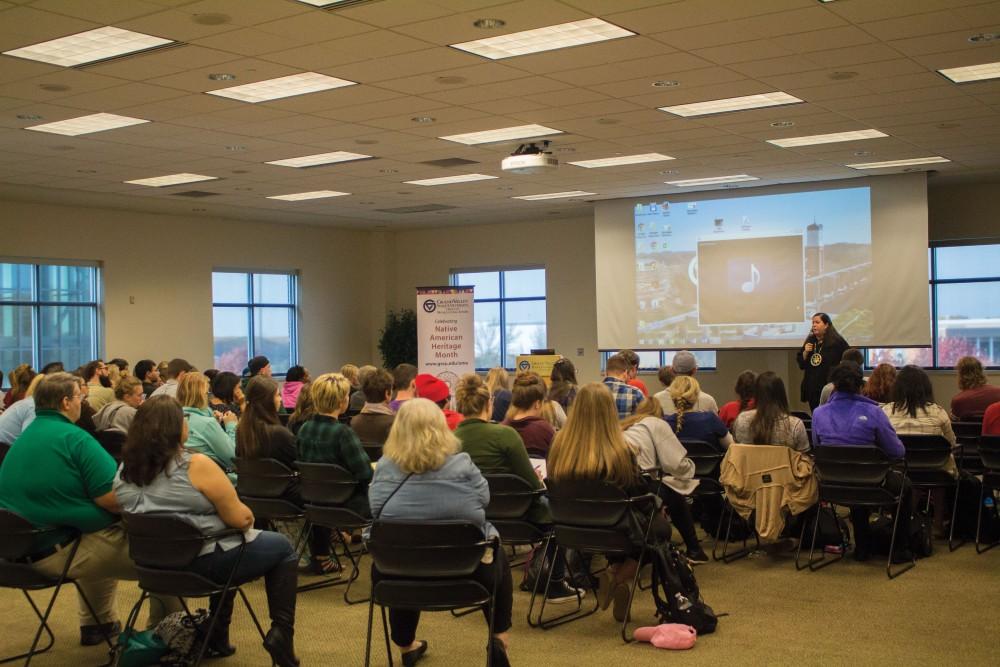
53 473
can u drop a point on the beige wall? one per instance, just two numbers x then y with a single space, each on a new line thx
166 262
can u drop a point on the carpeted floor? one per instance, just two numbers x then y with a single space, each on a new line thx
943 612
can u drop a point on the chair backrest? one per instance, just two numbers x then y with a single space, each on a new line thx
706 457
591 503
164 541
967 431
262 478
926 452
804 416
510 496
426 550
112 442
18 536
325 483
373 450
851 465
989 452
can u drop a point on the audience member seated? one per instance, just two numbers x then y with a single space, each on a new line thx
627 398
744 390
404 385
423 476
174 373
259 433
685 365
259 365
879 385
991 420
226 393
770 422
525 414
16 418
53 367
118 414
86 420
437 391
205 434
20 378
850 419
374 421
850 354
120 364
691 424
631 358
658 449
974 395
498 382
353 375
497 449
357 400
147 371
562 383
592 447
160 476
111 379
59 476
304 409
98 394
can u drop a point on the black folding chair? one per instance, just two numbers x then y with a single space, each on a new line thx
967 457
373 450
427 566
855 476
595 517
989 453
928 461
162 546
112 442
510 500
263 484
325 488
18 540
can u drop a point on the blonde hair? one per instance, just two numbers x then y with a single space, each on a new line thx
497 379
649 407
192 390
591 444
329 391
684 392
126 385
350 371
471 395
420 440
34 384
114 374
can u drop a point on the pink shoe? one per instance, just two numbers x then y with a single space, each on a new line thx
668 635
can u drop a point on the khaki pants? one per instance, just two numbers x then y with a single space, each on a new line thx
101 560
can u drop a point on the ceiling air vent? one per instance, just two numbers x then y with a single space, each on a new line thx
422 208
195 194
449 162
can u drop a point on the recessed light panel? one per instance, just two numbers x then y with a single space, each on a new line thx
316 194
448 180
732 104
548 38
98 122
501 134
714 180
899 163
972 72
815 139
88 47
621 160
285 86
555 195
319 158
172 179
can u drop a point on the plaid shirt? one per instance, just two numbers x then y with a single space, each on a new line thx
325 440
627 398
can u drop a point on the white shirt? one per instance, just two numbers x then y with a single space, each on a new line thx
168 389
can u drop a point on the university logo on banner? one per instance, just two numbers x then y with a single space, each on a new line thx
445 333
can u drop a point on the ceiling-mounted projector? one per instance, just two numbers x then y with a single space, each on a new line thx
530 159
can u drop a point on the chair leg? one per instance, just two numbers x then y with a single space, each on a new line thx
355 573
631 597
569 616
325 582
727 558
892 544
952 544
822 561
44 618
385 633
253 614
368 640
979 522
130 621
44 626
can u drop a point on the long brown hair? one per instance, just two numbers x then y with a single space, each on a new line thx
879 385
260 412
772 408
591 444
153 439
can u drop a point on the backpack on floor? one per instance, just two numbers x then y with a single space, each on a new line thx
138 649
182 634
915 534
832 530
676 593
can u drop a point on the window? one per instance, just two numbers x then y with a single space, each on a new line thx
653 360
965 310
48 312
509 313
254 314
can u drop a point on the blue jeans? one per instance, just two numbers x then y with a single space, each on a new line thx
269 550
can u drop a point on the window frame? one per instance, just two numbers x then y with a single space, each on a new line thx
250 305
502 299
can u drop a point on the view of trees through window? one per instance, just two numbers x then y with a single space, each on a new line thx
254 314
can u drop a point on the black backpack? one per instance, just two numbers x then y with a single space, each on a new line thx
676 593
967 513
914 534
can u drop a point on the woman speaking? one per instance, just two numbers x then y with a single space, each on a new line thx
821 351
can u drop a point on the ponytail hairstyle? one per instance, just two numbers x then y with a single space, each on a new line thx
745 382
472 395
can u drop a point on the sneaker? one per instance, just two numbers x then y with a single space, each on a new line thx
92 635
560 592
697 557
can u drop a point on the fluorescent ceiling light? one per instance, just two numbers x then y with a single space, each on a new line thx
88 47
501 134
833 138
172 179
98 122
899 163
714 180
555 195
319 158
285 86
972 72
732 104
621 160
548 38
316 194
447 180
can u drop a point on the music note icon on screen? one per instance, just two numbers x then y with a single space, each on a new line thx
751 285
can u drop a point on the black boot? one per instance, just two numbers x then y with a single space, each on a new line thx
218 643
280 584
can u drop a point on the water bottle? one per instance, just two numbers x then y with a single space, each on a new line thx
988 503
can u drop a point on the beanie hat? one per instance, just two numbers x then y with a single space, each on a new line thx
432 388
684 363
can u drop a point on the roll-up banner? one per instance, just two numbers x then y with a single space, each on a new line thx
445 333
